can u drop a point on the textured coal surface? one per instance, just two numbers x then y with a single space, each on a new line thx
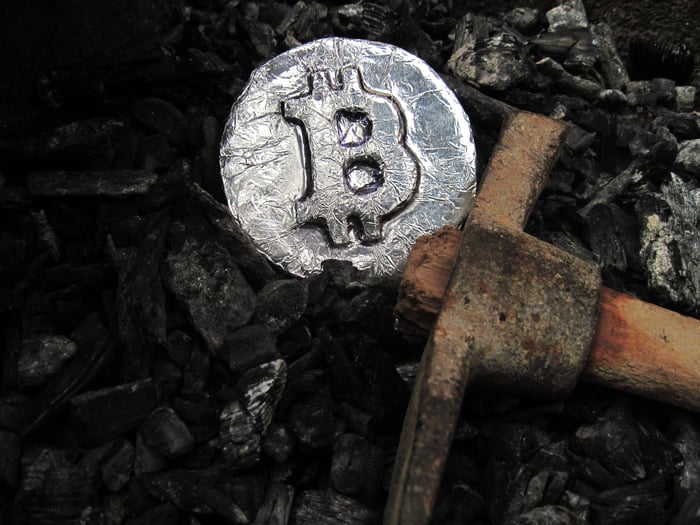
156 369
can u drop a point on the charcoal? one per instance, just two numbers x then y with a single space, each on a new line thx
317 506
42 357
161 116
685 98
95 352
579 505
492 61
517 442
546 515
651 92
125 183
281 303
248 347
164 431
641 503
567 15
210 288
196 409
277 506
155 154
357 468
195 491
686 439
524 19
278 443
117 468
9 460
196 370
614 441
661 458
612 68
206 163
240 443
458 503
670 242
579 140
688 158
260 390
310 418
564 80
611 236
104 414
147 459
611 189
684 126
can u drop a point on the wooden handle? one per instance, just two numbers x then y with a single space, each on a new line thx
646 350
639 347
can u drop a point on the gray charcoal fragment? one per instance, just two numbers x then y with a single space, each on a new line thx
685 98
613 440
117 468
582 87
357 468
611 235
488 58
641 503
686 438
567 15
278 443
651 92
277 505
42 357
10 451
160 115
611 189
146 459
524 19
688 158
546 515
578 139
84 136
167 433
210 287
611 65
578 504
248 347
670 242
261 388
105 414
319 507
282 303
124 183
239 441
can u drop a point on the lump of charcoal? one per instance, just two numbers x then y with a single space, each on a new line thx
641 503
84 136
117 468
613 440
651 92
517 442
495 61
524 19
567 15
41 357
210 288
240 443
318 506
612 235
277 506
357 468
161 116
9 460
670 242
167 433
146 459
281 304
248 347
107 413
688 157
278 443
546 515
124 183
260 390
685 98
311 419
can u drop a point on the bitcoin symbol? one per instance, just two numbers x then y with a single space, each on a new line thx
359 171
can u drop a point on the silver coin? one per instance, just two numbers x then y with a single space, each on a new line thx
346 149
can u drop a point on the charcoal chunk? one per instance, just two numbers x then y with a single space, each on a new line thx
688 158
160 115
248 347
277 505
357 468
641 503
42 357
80 137
316 507
117 468
546 515
240 442
167 433
524 19
281 303
105 414
278 443
651 92
211 289
125 183
261 389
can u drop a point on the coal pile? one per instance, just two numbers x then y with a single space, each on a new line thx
156 369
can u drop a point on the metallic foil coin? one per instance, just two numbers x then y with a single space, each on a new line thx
346 149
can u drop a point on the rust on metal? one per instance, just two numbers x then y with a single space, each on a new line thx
527 149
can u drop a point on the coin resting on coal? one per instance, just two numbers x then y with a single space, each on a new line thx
346 149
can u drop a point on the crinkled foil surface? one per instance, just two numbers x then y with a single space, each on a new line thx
276 168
